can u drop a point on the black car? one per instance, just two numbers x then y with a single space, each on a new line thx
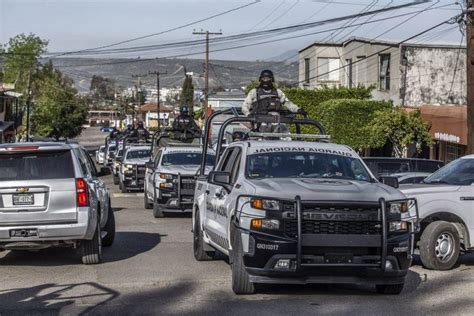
382 166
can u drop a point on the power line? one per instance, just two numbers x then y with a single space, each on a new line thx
268 15
282 15
165 31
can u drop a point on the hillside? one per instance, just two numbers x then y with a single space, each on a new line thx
228 74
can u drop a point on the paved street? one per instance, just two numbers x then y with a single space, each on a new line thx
150 269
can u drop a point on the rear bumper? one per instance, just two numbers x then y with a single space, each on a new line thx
51 233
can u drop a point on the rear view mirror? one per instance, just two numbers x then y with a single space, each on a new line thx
390 181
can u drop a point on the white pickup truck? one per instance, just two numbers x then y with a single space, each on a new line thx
446 210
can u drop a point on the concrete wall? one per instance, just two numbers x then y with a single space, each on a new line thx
313 53
428 74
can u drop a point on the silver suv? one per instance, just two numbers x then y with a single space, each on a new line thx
51 196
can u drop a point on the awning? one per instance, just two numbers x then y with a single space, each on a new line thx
5 126
448 123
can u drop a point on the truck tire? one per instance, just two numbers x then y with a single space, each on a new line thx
147 203
200 254
157 211
92 249
390 288
123 189
109 228
116 180
439 246
240 277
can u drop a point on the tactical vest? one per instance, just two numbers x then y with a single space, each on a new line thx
267 101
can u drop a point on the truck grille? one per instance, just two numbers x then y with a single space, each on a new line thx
334 219
187 185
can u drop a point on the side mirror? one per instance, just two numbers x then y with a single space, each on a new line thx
390 181
221 178
150 165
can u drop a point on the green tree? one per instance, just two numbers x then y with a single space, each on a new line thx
348 120
401 128
22 53
102 91
187 94
57 111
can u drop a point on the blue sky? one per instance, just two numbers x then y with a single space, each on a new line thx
79 24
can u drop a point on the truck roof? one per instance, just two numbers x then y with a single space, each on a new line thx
256 146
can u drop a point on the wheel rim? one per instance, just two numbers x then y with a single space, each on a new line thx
444 247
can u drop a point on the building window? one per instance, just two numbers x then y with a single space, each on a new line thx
328 69
349 72
306 70
384 72
454 151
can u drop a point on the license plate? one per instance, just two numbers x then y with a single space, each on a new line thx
338 258
23 199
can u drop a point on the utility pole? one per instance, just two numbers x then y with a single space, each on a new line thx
206 68
157 73
28 108
470 74
138 94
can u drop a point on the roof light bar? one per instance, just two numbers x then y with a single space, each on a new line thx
290 135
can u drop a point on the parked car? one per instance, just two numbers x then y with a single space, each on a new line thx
100 155
170 179
132 168
446 203
410 177
51 195
106 129
383 166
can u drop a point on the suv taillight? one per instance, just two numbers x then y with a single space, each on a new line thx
82 193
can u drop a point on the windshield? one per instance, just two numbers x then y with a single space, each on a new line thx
138 154
184 158
458 172
112 148
305 165
102 149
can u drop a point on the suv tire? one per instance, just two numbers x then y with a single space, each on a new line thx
123 189
439 246
116 179
92 249
109 228
390 288
240 277
198 242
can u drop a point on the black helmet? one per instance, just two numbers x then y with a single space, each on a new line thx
184 109
266 73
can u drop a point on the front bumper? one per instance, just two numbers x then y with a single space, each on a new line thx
172 201
377 257
51 233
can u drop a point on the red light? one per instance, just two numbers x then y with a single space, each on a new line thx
82 193
20 148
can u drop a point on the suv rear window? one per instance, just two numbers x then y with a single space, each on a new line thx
36 166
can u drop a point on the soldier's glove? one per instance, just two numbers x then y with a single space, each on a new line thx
302 112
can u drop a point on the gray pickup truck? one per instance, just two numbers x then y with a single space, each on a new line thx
51 196
294 208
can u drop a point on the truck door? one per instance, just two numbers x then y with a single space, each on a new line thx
217 199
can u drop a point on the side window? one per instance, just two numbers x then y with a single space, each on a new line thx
226 160
90 164
157 158
236 166
82 162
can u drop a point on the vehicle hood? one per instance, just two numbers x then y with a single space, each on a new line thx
325 189
136 161
183 169
414 190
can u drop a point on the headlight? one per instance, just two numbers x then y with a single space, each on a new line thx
167 176
398 226
166 185
261 223
263 204
398 207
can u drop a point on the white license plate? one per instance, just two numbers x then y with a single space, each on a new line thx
23 199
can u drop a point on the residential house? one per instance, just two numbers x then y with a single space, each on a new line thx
226 99
428 77
148 114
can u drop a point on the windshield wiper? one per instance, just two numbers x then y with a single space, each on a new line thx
435 182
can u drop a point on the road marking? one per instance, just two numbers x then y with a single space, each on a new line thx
124 195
